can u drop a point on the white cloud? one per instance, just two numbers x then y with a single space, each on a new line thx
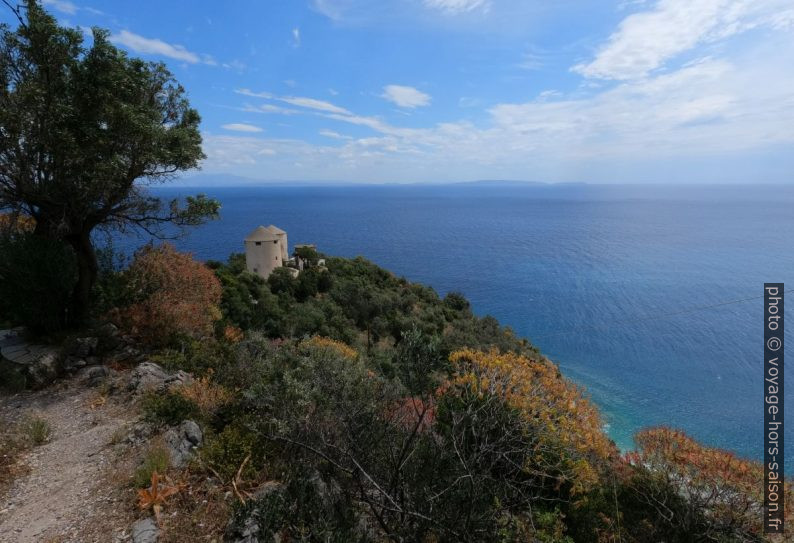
235 65
154 46
241 127
644 41
454 7
334 135
269 108
405 96
333 9
299 101
62 5
311 103
296 37
719 111
249 92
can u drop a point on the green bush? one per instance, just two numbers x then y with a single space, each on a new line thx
169 408
157 460
226 452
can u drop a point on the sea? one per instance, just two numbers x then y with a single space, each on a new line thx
649 297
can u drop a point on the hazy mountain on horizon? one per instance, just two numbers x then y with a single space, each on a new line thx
231 180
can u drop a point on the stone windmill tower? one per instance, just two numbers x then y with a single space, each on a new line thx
265 250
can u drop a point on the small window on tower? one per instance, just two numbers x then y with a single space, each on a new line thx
259 243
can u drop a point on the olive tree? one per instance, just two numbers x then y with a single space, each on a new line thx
84 131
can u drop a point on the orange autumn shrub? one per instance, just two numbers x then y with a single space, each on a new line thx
206 395
328 344
174 296
233 334
561 429
722 493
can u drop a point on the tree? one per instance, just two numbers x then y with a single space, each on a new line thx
84 130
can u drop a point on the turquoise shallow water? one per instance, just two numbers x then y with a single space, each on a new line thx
607 280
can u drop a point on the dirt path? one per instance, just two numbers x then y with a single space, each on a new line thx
72 491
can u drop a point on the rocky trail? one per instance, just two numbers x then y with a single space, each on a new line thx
68 493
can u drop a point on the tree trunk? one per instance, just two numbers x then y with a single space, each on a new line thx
87 271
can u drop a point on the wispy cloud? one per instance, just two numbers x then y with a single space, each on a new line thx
405 96
455 7
241 127
312 103
269 108
249 92
296 37
710 108
644 41
157 47
334 135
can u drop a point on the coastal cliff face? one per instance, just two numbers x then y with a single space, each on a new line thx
346 404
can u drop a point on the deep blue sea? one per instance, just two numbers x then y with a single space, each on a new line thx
609 281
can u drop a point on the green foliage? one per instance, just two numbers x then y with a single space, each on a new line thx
308 254
356 302
155 459
168 408
412 419
419 358
111 288
111 121
37 277
226 452
307 508
281 281
456 301
197 357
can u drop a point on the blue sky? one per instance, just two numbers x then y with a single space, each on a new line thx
670 91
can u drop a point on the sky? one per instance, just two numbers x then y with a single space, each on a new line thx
418 91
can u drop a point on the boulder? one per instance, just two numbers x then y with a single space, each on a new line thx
93 375
182 441
145 531
148 377
85 346
44 369
72 363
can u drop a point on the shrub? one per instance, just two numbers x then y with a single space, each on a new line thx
169 408
175 296
156 459
201 358
206 396
226 452
319 343
702 491
110 289
564 448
